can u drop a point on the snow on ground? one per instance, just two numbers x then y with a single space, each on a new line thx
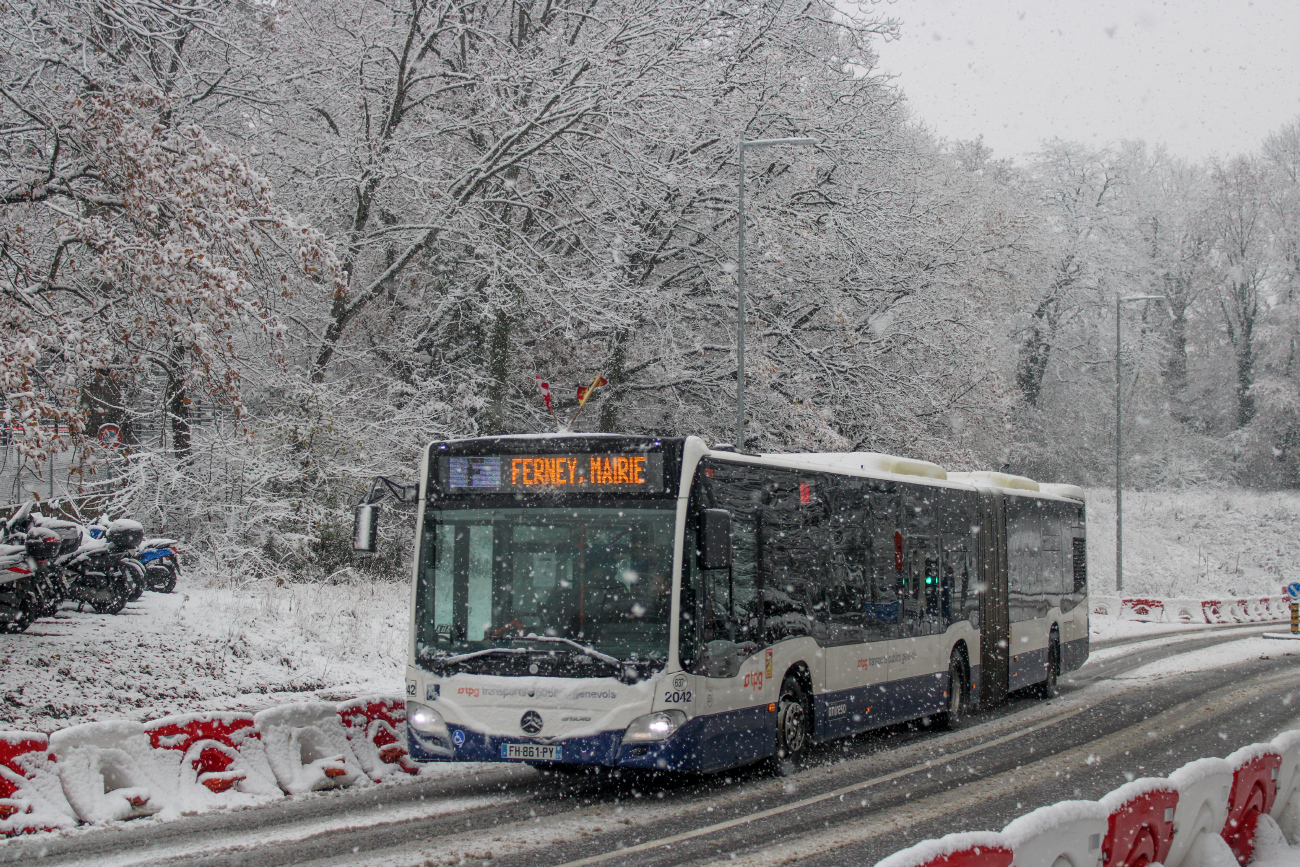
206 647
1196 543
1207 658
1107 628
1271 847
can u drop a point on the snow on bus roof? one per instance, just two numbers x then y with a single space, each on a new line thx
554 435
869 462
1068 492
990 479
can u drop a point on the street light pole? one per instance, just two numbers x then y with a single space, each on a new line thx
1119 448
740 280
1119 451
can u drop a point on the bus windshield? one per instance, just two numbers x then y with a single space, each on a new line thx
551 591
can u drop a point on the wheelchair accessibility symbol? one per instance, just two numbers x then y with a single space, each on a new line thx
458 738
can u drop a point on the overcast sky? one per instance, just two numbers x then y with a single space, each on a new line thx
1205 77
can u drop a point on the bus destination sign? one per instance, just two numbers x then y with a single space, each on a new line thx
616 472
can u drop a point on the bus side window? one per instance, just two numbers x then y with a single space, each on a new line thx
1079 550
883 605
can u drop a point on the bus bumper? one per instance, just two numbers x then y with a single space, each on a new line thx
692 748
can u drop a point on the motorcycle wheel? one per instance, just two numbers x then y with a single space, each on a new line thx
168 585
24 600
116 589
137 582
161 576
52 596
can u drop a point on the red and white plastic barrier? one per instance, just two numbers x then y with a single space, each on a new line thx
971 849
31 794
1216 611
1202 811
376 731
307 747
1254 789
1286 806
1069 832
1146 610
1208 813
1140 828
1176 610
217 759
109 772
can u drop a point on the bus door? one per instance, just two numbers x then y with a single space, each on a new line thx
920 652
995 625
856 671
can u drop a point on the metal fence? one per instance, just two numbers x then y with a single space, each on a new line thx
21 479
61 477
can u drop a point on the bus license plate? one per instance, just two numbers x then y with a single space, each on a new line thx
530 752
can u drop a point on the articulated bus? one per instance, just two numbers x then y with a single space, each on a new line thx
642 602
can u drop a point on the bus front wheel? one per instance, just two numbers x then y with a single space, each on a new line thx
793 725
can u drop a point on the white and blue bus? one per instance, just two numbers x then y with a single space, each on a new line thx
652 603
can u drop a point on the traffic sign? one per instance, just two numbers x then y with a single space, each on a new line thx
1293 590
110 436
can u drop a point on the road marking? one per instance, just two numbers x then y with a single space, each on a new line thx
817 799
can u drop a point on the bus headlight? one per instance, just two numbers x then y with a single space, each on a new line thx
427 723
654 726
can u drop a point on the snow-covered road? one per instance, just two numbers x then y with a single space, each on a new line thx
1142 707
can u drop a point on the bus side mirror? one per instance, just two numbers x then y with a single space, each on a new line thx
365 529
715 539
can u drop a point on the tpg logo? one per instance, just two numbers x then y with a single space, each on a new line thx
470 691
754 680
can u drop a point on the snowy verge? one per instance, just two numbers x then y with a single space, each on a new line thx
1195 543
208 647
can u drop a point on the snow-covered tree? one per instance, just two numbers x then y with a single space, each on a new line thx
129 245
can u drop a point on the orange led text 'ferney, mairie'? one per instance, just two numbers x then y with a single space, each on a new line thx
596 470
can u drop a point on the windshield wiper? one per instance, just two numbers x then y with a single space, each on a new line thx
586 649
626 671
462 657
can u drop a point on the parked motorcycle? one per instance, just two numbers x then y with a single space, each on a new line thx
51 571
36 573
123 537
31 578
19 605
161 560
104 573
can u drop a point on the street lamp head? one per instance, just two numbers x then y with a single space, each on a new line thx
1162 299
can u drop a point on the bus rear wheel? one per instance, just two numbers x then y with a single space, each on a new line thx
793 726
955 713
1049 688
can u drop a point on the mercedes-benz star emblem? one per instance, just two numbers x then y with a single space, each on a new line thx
531 722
